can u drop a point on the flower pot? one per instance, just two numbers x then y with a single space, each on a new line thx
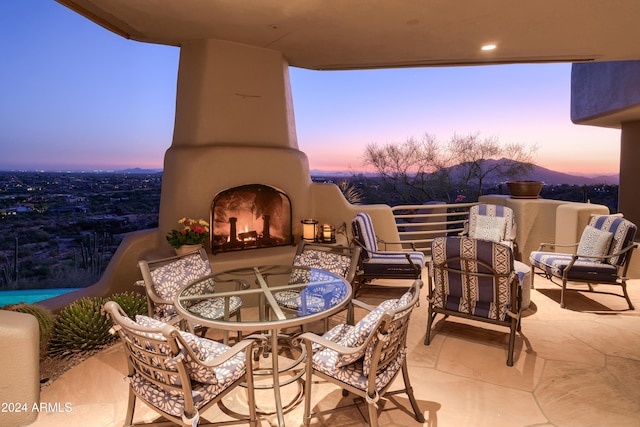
524 189
185 249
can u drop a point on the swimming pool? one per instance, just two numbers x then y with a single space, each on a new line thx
29 296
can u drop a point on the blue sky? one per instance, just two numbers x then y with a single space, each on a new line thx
75 96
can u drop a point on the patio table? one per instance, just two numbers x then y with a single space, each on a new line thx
322 294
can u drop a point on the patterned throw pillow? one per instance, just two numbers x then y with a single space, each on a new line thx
490 228
170 278
358 334
204 349
594 243
329 261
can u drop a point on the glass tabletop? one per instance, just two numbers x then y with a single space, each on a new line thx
263 296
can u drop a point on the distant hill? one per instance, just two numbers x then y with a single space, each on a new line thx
550 177
538 173
139 170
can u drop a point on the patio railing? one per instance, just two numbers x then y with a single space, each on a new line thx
423 223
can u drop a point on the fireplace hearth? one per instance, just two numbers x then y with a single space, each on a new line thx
250 217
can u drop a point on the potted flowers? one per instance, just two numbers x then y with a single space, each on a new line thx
192 235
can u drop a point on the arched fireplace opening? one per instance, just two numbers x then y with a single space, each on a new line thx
249 217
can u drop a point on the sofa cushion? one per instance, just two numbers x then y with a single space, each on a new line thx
594 243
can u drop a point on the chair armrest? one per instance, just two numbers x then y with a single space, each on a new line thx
362 305
245 345
465 228
312 338
556 245
406 242
608 256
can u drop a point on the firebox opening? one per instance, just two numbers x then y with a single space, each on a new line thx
249 217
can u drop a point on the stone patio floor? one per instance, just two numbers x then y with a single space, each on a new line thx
578 366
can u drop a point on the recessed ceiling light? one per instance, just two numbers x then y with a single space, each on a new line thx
488 47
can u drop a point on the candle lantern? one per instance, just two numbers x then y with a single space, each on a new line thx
309 230
328 234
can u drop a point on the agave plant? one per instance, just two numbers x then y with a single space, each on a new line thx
82 326
132 303
350 192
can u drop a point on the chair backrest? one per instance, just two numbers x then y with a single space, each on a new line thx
471 276
364 234
340 260
484 219
387 348
163 278
154 357
623 232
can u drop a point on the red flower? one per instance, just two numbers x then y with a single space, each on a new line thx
198 229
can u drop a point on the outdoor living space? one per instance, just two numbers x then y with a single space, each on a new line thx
578 366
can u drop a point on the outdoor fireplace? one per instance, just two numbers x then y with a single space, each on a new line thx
249 217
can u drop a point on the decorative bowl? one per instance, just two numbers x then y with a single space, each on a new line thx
524 189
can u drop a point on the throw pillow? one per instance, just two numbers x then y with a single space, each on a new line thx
170 278
594 243
358 334
490 228
204 349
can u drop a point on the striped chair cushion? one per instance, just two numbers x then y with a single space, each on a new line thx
475 296
623 232
583 269
384 262
364 232
497 211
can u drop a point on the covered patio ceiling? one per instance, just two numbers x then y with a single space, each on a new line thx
361 34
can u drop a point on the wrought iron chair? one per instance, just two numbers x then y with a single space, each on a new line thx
380 264
474 279
491 222
340 260
364 358
163 278
178 374
601 257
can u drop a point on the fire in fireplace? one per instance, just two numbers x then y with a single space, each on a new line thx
250 216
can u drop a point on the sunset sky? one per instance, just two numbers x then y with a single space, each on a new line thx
75 96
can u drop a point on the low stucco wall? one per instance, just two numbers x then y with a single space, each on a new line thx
20 361
546 221
325 203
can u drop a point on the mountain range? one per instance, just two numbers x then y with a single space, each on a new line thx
538 173
550 177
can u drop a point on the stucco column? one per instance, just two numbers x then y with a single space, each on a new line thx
628 200
229 93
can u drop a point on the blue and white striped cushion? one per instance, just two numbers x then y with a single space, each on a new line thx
476 295
623 232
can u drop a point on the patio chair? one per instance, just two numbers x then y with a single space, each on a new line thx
383 264
163 278
365 358
491 222
340 260
601 257
177 374
474 279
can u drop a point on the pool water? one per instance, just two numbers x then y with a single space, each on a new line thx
29 296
